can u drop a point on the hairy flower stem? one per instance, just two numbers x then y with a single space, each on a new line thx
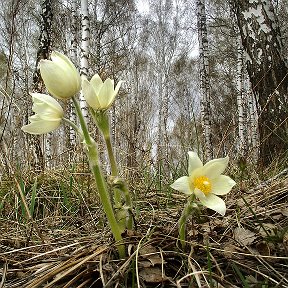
189 207
102 120
122 188
74 126
114 169
92 153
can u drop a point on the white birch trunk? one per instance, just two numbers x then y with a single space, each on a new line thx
84 50
241 144
73 54
160 122
160 58
205 83
267 69
162 82
252 119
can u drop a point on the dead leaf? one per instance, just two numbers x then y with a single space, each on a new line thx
267 228
243 236
144 263
146 250
285 239
230 251
263 249
152 275
284 211
149 252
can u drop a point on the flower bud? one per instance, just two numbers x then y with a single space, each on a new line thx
99 95
60 76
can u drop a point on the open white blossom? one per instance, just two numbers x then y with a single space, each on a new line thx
49 114
206 182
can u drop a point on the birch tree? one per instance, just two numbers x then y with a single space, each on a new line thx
73 53
43 52
84 49
240 103
204 74
252 122
267 70
7 86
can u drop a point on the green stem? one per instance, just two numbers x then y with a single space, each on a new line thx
105 199
183 219
114 169
97 173
83 124
101 119
124 188
128 202
73 125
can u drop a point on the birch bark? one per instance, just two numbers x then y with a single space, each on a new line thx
240 102
268 72
38 84
73 54
84 50
252 119
205 83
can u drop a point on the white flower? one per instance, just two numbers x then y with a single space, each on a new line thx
206 182
60 76
48 115
99 95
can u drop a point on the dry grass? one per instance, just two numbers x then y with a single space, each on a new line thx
246 248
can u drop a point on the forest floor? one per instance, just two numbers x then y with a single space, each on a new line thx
68 243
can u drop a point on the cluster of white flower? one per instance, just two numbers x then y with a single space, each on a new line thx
63 81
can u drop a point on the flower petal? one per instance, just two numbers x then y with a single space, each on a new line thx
61 78
90 94
215 168
213 202
194 162
105 96
54 79
97 83
199 194
222 185
40 126
64 62
48 100
182 185
118 87
46 106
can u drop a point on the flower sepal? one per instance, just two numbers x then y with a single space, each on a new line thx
48 115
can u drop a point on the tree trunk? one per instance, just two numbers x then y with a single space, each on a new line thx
38 84
84 50
240 103
252 121
205 83
267 70
73 53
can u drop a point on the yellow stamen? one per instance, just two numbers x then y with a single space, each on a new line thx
202 183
